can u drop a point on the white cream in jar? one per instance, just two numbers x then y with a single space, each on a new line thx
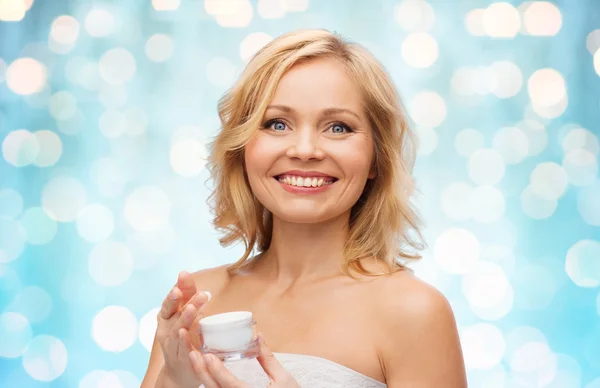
230 335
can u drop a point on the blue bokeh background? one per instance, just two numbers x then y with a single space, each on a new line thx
106 108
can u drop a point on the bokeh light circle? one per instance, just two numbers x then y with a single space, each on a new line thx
483 345
188 157
468 141
420 50
487 204
583 263
112 123
95 223
165 5
110 263
456 200
117 66
114 328
147 208
592 42
542 18
45 358
63 198
428 109
20 148
549 180
486 285
271 9
512 143
220 71
33 302
537 206
230 14
495 311
501 20
456 251
50 148
65 30
414 15
12 239
509 79
535 287
147 329
159 47
588 205
108 176
581 167
26 76
252 43
580 138
546 87
15 334
533 364
486 167
99 22
11 203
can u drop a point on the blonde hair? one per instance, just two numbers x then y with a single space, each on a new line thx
383 223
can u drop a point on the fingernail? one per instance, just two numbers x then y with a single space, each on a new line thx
208 358
209 295
173 294
194 357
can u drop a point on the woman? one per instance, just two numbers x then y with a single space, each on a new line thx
312 171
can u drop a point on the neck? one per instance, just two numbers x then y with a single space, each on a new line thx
304 252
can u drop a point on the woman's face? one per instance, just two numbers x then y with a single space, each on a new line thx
310 160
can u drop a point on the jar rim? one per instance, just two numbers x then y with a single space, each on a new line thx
226 320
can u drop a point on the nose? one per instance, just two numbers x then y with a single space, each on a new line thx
305 146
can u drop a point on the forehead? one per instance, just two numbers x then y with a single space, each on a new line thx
316 84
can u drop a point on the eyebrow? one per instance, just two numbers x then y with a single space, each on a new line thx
326 112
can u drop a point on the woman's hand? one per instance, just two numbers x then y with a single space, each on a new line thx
180 309
211 370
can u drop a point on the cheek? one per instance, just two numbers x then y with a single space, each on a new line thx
355 157
258 157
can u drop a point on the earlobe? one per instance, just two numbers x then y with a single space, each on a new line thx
372 173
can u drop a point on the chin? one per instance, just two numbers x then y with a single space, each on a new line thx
302 216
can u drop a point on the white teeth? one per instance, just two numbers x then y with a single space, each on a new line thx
304 181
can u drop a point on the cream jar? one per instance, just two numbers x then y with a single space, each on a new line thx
230 336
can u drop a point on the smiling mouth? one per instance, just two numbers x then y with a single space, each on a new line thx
307 182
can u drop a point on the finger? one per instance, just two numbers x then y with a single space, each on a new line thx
220 374
186 319
195 332
187 285
269 363
200 299
200 369
170 304
184 345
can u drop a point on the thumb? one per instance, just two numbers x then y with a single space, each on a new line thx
269 363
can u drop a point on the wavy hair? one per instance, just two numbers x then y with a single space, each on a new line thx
383 222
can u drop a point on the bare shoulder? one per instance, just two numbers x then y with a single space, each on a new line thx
418 344
212 279
403 296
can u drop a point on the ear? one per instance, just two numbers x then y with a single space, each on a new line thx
372 172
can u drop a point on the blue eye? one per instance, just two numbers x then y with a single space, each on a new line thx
340 128
276 125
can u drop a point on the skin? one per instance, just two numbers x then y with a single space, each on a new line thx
396 329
